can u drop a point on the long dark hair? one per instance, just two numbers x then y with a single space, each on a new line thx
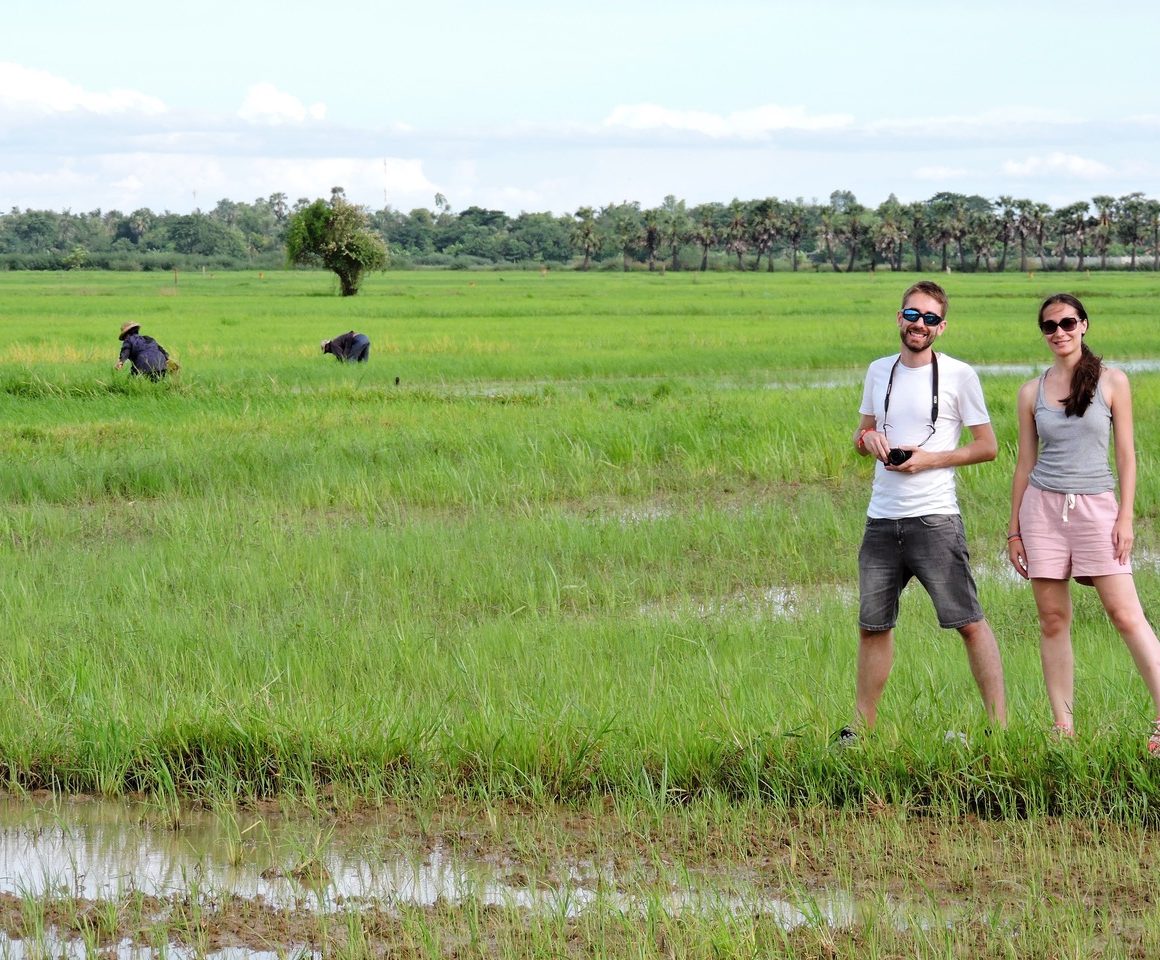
1086 375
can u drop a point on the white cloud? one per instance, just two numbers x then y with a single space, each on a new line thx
518 198
940 173
129 186
393 180
265 103
1057 163
181 182
999 119
23 89
742 124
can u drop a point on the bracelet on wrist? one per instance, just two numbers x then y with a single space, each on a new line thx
860 441
1013 536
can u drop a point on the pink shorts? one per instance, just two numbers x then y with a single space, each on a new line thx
1069 535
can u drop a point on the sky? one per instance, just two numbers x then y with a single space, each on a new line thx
551 106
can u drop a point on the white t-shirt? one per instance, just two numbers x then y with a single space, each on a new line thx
960 404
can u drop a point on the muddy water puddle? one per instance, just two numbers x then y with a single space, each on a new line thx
82 877
61 948
103 851
95 852
825 379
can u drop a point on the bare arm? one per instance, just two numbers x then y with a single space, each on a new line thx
1024 463
866 432
1120 399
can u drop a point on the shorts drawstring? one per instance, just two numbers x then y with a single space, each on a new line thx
1068 504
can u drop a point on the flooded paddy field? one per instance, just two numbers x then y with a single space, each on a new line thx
80 877
531 636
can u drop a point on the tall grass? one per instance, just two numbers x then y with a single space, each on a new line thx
599 539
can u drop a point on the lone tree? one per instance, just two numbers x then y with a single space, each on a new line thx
336 236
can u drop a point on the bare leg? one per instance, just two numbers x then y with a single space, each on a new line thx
1118 595
1053 602
986 667
875 658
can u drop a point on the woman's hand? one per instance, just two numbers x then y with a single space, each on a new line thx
1017 554
1122 539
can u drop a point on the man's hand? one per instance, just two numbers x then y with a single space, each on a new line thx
874 443
918 461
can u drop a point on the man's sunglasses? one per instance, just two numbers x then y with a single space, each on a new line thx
1067 324
910 315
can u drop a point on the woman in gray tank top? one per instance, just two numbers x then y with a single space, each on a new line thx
1065 520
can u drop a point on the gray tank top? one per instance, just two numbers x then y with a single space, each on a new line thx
1073 451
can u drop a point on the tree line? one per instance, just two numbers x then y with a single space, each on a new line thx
947 231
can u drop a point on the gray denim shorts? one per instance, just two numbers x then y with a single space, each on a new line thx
932 548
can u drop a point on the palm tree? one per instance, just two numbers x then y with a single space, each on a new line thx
916 220
855 232
793 219
653 229
1076 218
887 234
628 231
828 228
1069 222
676 228
949 223
704 234
983 234
737 232
960 227
1082 225
1152 218
1130 210
1041 214
140 222
944 234
1024 226
1005 206
1103 226
765 232
888 237
585 235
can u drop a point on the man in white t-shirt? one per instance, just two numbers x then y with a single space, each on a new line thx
914 406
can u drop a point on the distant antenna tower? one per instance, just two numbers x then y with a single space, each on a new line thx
385 204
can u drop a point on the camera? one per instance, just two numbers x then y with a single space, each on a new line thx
896 457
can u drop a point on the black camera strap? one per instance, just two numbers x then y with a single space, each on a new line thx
933 389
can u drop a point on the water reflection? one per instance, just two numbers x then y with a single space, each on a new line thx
826 379
61 948
103 851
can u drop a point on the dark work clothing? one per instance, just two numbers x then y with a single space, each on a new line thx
146 355
350 347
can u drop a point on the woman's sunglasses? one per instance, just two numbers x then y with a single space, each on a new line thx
1067 324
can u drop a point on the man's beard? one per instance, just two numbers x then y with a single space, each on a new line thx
927 341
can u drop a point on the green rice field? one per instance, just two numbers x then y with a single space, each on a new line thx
567 542
599 537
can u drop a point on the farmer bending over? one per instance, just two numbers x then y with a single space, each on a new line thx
347 347
146 355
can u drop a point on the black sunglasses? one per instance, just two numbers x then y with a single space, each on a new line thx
1067 324
910 315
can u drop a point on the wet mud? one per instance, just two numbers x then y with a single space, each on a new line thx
84 875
